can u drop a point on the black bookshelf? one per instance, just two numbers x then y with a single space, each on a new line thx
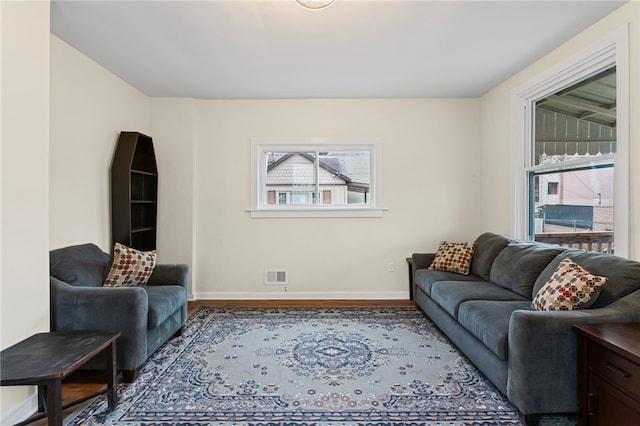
134 192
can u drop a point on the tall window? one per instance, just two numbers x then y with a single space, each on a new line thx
571 152
572 165
316 177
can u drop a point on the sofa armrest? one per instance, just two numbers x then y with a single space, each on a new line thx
422 260
170 274
542 349
123 309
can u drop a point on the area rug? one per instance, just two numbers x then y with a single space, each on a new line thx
306 366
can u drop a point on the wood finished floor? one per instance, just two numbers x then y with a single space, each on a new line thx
74 391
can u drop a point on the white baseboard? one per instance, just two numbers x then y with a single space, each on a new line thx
292 295
20 412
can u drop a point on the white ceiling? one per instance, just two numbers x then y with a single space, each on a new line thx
238 49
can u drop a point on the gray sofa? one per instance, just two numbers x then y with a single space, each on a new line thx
146 316
529 355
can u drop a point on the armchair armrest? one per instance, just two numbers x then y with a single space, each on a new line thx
123 309
170 274
542 347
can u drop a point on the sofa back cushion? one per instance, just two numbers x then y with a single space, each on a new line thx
623 275
519 264
488 246
80 265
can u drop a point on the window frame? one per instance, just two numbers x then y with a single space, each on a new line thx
612 50
259 205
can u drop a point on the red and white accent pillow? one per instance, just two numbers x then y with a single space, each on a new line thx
453 257
570 287
130 267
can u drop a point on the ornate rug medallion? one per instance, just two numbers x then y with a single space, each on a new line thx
331 357
306 366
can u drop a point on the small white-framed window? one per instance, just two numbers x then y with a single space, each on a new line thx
571 150
316 177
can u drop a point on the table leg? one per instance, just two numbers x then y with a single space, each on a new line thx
112 390
410 264
42 398
54 402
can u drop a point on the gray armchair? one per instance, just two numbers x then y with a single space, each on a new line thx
145 316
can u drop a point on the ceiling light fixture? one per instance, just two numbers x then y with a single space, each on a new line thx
314 4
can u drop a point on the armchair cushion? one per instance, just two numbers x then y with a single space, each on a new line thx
164 300
80 265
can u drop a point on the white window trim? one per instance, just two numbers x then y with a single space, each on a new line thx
611 50
259 207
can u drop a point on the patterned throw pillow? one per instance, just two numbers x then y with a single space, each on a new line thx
453 257
570 287
130 267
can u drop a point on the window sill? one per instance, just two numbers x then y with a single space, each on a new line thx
317 213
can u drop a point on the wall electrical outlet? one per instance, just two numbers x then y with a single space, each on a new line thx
391 267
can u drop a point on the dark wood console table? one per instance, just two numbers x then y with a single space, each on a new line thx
45 359
608 374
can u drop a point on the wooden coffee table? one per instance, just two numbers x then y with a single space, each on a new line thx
45 359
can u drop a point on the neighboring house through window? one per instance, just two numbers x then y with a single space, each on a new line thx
316 177
299 177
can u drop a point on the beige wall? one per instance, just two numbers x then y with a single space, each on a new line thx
172 130
89 108
430 179
497 197
24 167
442 159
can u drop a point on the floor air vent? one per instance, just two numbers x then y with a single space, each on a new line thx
273 276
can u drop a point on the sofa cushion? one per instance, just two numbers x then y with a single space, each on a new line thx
623 275
164 300
570 287
79 265
453 257
450 294
488 246
488 321
424 278
519 264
